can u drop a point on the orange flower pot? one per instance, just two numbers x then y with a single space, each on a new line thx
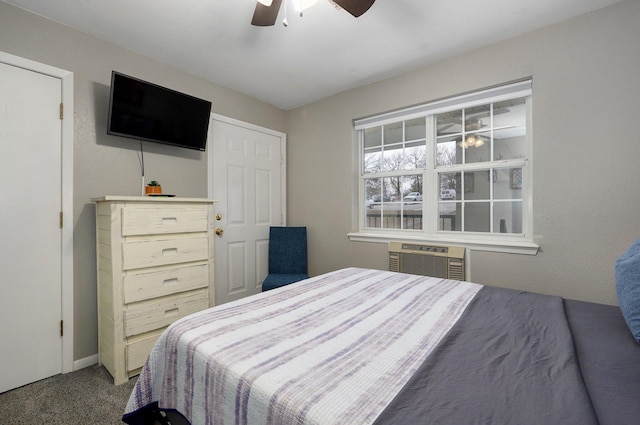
153 190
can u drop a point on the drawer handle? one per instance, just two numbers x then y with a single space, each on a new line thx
171 312
169 220
170 251
172 281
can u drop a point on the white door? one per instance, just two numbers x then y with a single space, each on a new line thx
30 233
247 179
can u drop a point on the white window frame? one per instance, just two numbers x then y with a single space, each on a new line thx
499 242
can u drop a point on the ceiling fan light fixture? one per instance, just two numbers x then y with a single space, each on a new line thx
471 141
302 5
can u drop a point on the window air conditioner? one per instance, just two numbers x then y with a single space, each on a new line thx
428 260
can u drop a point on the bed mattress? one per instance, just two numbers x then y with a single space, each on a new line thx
359 346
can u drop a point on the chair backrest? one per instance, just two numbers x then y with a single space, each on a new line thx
288 250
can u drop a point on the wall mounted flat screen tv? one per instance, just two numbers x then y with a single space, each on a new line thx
145 111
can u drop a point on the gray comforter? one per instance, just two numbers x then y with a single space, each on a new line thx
510 359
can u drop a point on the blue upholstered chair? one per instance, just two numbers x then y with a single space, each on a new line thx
287 256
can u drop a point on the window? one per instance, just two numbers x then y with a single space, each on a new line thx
456 169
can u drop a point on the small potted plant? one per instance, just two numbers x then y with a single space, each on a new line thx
153 188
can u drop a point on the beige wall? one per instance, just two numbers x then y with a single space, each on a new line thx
586 97
106 164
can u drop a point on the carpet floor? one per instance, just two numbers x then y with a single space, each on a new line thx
84 397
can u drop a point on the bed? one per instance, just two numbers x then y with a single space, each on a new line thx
360 346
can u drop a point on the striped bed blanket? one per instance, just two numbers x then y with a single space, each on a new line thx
333 349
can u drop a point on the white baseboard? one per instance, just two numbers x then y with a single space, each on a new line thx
85 362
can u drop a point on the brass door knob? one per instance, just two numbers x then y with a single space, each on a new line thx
219 231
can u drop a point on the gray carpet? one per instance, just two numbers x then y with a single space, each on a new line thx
83 397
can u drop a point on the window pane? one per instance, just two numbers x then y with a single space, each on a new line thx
412 202
477 117
412 215
448 182
372 188
372 137
399 214
391 218
510 113
477 147
447 152
372 162
392 158
415 129
393 133
373 218
390 202
415 156
477 185
477 217
449 216
507 217
510 143
372 191
466 181
412 188
449 123
392 187
411 205
510 129
508 183
413 218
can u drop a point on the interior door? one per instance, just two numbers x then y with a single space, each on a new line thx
30 231
247 179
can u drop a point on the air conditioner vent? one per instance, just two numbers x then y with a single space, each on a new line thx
427 260
394 263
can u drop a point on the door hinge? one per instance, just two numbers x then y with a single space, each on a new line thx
62 328
61 110
61 219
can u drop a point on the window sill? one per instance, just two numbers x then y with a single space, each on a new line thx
504 246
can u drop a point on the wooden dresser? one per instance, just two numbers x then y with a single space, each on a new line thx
155 265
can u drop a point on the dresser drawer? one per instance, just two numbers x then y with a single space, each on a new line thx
144 286
136 255
157 221
138 351
154 314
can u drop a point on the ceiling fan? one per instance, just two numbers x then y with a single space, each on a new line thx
473 122
266 11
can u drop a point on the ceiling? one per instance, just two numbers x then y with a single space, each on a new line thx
325 52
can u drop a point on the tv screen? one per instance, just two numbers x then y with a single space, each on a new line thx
145 111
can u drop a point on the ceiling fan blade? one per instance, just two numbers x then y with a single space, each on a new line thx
355 7
265 16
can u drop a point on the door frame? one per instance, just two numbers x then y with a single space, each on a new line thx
66 248
283 158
